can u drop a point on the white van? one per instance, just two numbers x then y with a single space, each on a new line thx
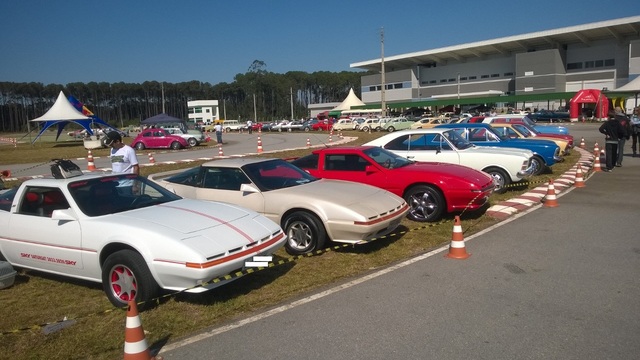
232 125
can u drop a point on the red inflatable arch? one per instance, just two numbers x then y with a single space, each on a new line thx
589 96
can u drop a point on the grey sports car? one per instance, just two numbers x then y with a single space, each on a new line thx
310 210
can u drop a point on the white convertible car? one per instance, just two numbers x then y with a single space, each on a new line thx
130 234
506 165
310 210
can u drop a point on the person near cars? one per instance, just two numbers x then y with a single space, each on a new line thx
613 131
626 125
635 130
123 160
250 126
218 129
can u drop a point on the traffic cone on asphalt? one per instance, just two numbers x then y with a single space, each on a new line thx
579 183
151 159
330 140
135 344
596 164
308 143
582 144
5 173
550 199
457 250
90 165
220 153
259 144
596 150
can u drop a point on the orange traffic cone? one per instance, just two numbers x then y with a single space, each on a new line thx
340 135
582 144
90 165
151 159
308 142
135 344
330 140
220 153
579 183
457 250
550 199
596 150
5 173
596 163
259 144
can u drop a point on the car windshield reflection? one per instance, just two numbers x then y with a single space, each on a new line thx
276 174
118 193
386 158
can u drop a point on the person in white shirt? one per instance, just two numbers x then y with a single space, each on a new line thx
218 129
123 159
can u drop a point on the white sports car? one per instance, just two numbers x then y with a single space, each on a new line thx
310 210
506 165
130 234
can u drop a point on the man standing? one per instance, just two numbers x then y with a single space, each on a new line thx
250 126
218 129
613 131
626 126
123 160
635 130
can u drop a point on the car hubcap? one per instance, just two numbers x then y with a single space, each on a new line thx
422 205
122 283
498 180
300 236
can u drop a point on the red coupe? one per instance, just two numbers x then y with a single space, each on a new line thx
430 188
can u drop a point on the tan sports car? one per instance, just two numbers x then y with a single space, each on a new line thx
310 210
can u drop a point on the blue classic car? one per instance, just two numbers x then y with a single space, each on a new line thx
525 119
546 152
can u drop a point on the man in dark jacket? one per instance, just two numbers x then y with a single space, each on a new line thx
612 131
626 126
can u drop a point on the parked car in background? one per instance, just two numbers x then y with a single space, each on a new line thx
308 125
545 152
232 125
324 125
399 123
343 124
295 125
370 124
506 165
549 116
357 122
158 139
524 119
310 210
193 137
431 189
279 125
517 130
135 244
426 123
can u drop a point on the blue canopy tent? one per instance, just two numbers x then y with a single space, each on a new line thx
63 112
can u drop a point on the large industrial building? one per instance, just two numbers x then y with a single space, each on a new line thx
541 69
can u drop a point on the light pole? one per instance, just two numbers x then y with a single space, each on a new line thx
458 85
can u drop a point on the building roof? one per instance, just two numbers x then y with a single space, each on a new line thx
548 39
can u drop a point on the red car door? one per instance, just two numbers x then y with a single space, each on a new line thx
352 167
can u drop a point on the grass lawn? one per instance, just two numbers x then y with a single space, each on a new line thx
98 331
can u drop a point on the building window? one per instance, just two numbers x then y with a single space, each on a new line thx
599 63
372 88
190 110
452 80
588 64
208 110
495 75
484 77
432 82
443 80
472 77
610 62
397 86
198 110
508 74
463 78
574 66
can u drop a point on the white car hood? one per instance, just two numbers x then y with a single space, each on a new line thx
492 150
206 226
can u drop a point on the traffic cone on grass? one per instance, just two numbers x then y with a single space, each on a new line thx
550 199
579 183
457 250
135 344
90 165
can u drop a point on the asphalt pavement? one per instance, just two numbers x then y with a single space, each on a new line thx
549 283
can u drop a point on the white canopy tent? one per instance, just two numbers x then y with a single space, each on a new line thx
63 112
351 100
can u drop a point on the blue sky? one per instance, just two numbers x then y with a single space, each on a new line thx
211 41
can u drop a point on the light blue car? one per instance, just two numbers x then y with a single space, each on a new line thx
546 152
543 129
